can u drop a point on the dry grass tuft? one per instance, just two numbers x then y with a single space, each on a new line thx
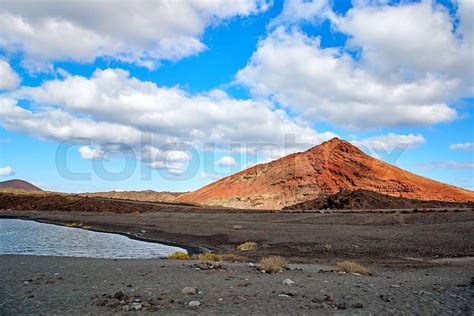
73 225
209 256
248 245
351 267
85 227
179 255
232 258
273 264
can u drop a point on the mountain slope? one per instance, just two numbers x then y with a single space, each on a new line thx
333 166
18 185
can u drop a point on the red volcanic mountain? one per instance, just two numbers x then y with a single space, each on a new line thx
333 166
18 185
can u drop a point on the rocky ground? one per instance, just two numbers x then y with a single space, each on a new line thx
421 264
49 285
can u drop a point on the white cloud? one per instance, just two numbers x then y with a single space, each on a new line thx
462 147
174 161
6 171
409 66
124 107
301 10
60 126
9 79
446 165
88 153
386 143
413 39
112 107
141 32
226 161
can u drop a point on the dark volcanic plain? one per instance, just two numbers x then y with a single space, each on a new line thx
421 260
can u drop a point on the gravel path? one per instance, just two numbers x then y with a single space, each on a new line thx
61 285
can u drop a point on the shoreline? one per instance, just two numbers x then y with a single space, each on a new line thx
190 249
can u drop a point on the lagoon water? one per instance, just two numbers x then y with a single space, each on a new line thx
22 237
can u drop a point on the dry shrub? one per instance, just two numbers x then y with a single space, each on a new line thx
85 227
237 227
73 225
178 255
248 245
351 267
209 256
232 258
273 264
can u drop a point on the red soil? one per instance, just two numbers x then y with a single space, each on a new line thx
322 170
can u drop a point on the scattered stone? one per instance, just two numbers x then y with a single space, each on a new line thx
395 285
167 302
136 306
194 304
119 295
244 284
113 304
101 302
283 295
288 282
327 298
289 293
189 290
342 306
385 298
358 305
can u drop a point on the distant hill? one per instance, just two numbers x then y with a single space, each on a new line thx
143 196
323 170
18 185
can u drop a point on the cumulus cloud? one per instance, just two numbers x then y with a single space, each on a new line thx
401 66
226 161
462 147
446 165
9 79
391 141
126 106
302 10
6 171
113 107
140 32
174 161
88 153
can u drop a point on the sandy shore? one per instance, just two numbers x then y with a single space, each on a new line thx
383 237
52 285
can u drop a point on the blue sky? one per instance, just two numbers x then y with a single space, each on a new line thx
144 98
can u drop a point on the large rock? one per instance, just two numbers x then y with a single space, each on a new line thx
189 290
